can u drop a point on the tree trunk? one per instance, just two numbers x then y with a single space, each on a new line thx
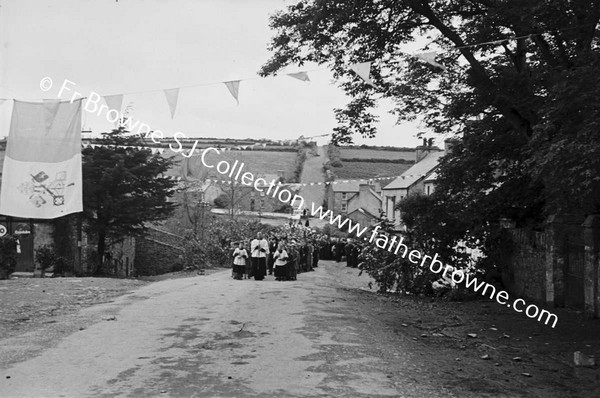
101 247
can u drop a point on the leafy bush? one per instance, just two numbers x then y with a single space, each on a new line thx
299 165
211 247
8 255
222 201
46 257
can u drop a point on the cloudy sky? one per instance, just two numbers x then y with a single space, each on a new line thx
140 47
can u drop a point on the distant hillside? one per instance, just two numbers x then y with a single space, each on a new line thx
256 162
368 162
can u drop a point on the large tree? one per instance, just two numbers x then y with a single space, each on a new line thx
520 87
124 188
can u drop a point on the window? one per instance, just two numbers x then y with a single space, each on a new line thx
344 196
262 203
262 193
344 207
428 190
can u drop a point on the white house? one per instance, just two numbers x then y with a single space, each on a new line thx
420 178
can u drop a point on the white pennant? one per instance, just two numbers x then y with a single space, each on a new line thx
363 70
303 76
234 88
429 57
172 95
114 102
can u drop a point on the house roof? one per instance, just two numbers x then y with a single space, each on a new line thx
269 177
432 177
349 186
363 211
371 191
416 172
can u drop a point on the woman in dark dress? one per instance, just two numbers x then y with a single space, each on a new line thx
248 273
290 267
273 245
316 251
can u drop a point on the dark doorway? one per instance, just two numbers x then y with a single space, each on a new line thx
23 229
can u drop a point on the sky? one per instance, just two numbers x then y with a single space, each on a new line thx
140 47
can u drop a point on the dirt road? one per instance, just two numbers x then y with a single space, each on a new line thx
313 173
321 336
211 336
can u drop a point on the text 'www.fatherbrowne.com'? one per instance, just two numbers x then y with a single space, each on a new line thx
396 245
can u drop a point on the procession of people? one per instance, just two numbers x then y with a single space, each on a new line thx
285 256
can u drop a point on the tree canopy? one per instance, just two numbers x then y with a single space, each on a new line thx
520 88
124 187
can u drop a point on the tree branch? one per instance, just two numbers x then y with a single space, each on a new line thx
512 115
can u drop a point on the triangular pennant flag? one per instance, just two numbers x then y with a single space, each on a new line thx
363 70
50 109
172 95
429 57
234 88
264 145
114 102
303 76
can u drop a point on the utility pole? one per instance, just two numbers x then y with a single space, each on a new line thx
203 205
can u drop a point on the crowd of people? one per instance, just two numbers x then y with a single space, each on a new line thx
285 256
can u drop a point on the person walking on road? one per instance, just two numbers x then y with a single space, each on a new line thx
281 259
239 261
273 245
260 251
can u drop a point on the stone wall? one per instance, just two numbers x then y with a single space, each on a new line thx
525 275
159 252
559 266
120 255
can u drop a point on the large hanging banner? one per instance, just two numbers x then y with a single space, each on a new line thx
41 177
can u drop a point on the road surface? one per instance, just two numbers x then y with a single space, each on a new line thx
212 336
313 172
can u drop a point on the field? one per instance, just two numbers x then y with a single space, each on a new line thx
363 153
257 162
355 170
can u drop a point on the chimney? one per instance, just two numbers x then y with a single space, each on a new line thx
421 152
448 145
363 188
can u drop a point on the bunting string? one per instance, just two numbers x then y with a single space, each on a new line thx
361 69
300 184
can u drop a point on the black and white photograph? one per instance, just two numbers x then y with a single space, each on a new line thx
300 198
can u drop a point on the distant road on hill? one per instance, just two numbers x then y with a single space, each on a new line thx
313 172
